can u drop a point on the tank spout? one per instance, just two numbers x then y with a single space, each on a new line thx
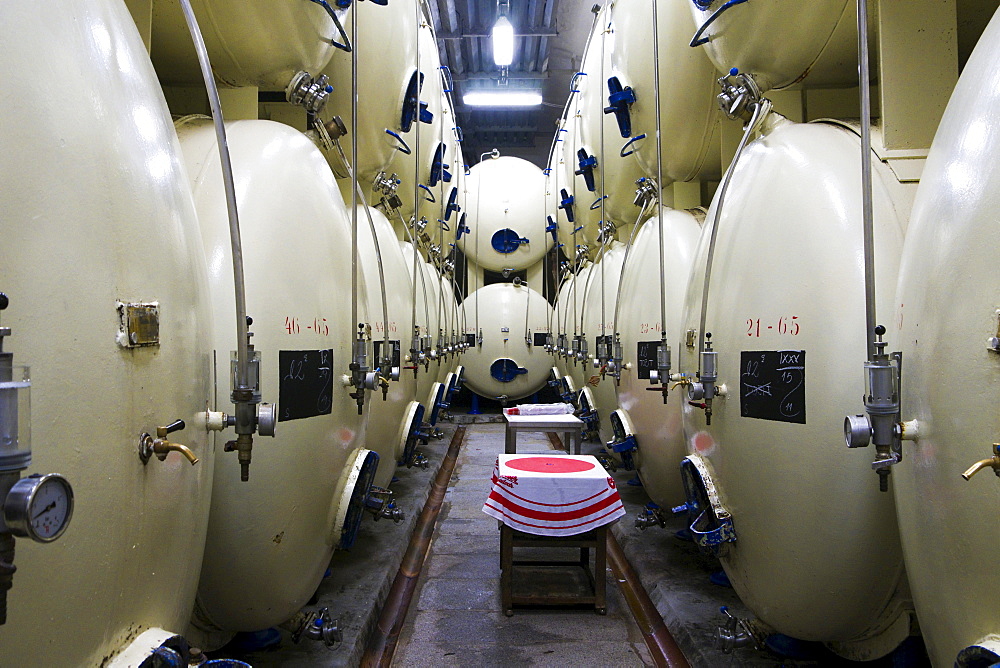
993 462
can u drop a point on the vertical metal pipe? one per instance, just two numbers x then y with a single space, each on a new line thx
659 173
866 177
354 174
242 327
603 165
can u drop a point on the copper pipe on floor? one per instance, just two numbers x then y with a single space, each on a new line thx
661 644
382 643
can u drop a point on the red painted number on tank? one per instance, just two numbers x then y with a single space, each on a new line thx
786 325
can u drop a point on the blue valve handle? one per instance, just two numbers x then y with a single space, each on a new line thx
439 169
462 228
552 228
619 100
452 206
587 164
566 204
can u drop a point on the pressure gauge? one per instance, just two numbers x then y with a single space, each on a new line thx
39 507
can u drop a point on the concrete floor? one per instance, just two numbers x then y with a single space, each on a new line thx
455 617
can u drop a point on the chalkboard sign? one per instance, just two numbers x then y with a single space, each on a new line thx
540 338
645 356
470 339
378 352
773 385
305 383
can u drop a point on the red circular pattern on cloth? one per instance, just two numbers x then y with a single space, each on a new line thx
549 465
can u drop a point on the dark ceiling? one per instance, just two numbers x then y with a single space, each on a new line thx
548 46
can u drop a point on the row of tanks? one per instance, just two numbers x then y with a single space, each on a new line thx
719 350
198 482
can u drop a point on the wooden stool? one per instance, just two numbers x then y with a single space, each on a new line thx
570 425
596 538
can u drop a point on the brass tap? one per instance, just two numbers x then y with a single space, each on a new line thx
993 462
161 447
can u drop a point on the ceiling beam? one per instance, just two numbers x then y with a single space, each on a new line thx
495 74
529 32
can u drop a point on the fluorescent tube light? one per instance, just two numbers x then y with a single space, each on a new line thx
502 99
503 42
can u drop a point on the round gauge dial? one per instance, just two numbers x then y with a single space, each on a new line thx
39 507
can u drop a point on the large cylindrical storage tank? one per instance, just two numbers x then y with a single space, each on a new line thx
815 554
385 51
689 113
609 135
101 240
598 315
946 318
271 538
505 365
261 44
782 42
414 168
657 428
387 433
505 203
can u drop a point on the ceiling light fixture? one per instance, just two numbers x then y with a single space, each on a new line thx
503 40
508 98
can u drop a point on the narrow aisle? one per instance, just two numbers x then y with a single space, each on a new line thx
455 619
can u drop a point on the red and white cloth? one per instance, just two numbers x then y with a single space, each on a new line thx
552 495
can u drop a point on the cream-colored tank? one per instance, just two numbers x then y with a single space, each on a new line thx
782 42
657 428
505 203
271 538
564 180
944 323
608 135
816 553
505 365
388 426
260 44
386 53
597 314
689 115
99 230
414 168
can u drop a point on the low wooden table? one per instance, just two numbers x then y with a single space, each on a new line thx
570 425
596 539
553 501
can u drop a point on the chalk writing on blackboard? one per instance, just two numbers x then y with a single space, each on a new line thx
773 385
645 356
305 383
378 352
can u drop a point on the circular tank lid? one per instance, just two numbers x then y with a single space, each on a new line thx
505 370
356 506
507 241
